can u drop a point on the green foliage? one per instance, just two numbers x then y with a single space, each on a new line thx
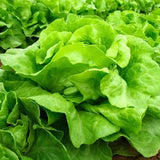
90 79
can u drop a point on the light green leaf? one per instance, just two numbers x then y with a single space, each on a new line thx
119 51
88 82
147 137
115 88
80 53
129 119
154 106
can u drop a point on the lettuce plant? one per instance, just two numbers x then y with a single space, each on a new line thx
88 83
22 21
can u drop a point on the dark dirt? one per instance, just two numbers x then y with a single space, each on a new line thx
139 157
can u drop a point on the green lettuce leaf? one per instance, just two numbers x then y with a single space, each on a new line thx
148 136
47 146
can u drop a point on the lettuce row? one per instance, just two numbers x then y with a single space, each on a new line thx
139 25
22 22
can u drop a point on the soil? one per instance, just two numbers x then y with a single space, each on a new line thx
139 157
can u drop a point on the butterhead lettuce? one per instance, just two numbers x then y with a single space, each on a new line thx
88 82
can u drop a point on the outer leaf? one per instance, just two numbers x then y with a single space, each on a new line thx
129 119
8 103
148 136
21 60
154 106
46 146
142 68
7 142
97 151
88 133
7 154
